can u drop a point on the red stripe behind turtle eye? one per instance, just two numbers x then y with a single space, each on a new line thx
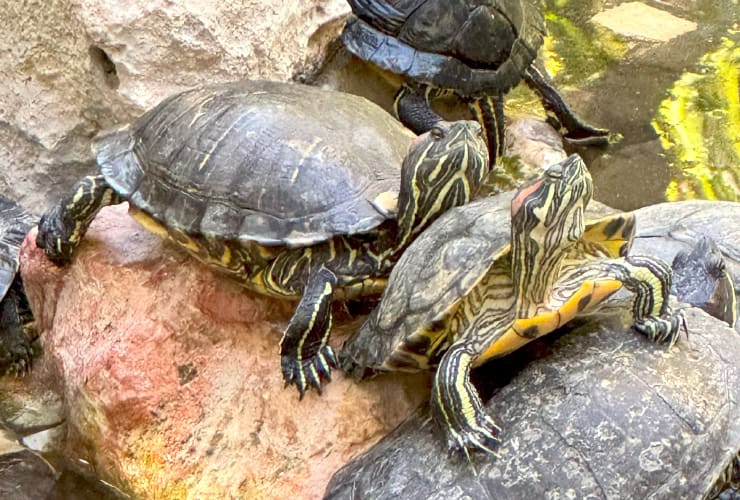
522 195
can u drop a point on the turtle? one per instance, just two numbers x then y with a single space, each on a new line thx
471 289
700 278
476 49
17 326
295 191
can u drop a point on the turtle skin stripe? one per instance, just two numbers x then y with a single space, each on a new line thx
306 358
61 228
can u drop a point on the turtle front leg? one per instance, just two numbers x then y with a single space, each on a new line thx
62 227
412 108
489 111
457 407
650 281
573 129
306 357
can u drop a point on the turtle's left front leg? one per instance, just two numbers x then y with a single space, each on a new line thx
62 227
306 357
573 129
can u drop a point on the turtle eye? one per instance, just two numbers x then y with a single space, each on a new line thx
437 132
554 173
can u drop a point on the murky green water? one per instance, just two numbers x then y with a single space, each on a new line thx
673 106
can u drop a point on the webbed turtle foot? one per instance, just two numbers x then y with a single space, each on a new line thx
480 434
20 362
20 367
309 372
576 132
664 329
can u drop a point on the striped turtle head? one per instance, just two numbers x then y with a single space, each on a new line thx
547 219
443 169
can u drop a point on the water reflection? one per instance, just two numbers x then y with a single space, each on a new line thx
699 127
635 85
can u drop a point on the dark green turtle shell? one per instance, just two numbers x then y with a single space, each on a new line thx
15 222
268 162
434 273
473 47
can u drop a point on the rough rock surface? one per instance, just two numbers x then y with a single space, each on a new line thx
74 67
597 413
171 375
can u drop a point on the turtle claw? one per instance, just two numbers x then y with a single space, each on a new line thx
310 372
480 437
664 329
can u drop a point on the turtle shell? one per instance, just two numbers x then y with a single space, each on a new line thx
268 162
15 222
436 271
473 47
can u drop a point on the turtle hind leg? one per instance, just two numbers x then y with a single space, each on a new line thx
17 331
62 227
574 129
412 108
457 407
306 357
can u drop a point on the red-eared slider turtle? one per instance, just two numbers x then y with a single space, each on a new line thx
462 294
17 328
477 49
288 188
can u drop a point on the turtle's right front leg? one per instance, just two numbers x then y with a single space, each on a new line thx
306 357
62 227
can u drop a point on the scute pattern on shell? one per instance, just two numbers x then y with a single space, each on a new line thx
436 271
473 47
269 162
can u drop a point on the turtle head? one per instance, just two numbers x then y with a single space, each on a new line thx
547 219
55 237
443 168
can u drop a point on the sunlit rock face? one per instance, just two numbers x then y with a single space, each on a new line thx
171 375
74 67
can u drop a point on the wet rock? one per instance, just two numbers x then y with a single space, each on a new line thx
171 375
74 67
598 412
643 22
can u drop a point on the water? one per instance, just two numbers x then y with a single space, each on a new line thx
674 105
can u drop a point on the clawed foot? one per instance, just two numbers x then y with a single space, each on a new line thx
21 364
480 435
309 372
663 330
20 368
579 133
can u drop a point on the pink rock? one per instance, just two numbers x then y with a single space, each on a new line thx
171 375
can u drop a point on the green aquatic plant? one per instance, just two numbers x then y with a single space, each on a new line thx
699 127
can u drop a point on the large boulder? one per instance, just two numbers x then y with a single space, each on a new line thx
74 67
598 412
171 375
